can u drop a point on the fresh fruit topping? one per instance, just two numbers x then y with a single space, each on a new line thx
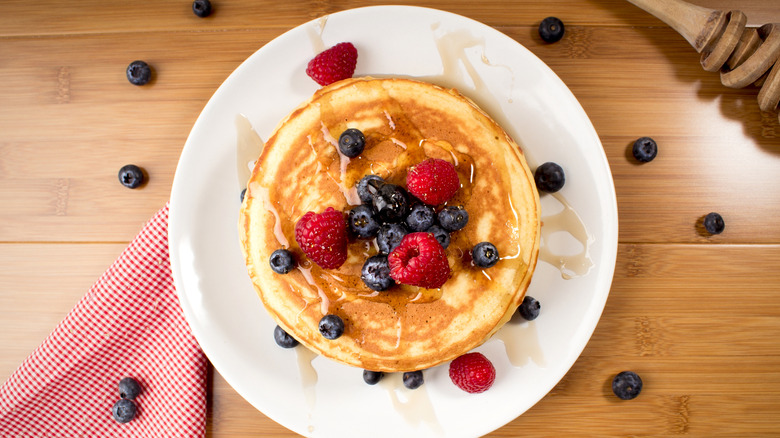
434 181
389 237
440 234
123 410
714 223
453 218
283 339
551 29
352 142
644 149
334 64
201 8
129 388
282 261
331 326
627 385
421 217
419 260
549 177
139 73
131 176
413 379
362 223
362 188
372 377
376 273
323 237
472 372
242 194
529 309
390 202
484 254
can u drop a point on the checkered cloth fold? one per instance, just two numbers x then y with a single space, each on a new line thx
129 324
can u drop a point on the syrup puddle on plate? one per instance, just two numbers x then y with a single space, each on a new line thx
413 404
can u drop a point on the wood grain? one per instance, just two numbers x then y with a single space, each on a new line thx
695 315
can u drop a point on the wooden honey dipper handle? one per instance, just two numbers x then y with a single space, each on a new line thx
743 55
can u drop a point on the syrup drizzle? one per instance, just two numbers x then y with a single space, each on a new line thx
249 145
567 220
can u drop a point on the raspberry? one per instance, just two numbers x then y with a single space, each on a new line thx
472 372
323 237
433 181
333 64
419 260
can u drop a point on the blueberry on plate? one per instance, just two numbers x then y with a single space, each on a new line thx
391 202
129 388
551 29
201 8
138 73
453 218
366 191
441 235
627 385
549 177
413 379
331 326
131 176
484 254
389 236
282 261
529 309
421 217
372 377
123 410
714 223
644 149
362 222
376 273
352 142
283 339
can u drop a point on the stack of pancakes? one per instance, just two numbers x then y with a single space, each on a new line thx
405 122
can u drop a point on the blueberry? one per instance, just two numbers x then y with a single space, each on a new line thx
243 194
413 379
626 385
139 73
391 202
352 142
530 308
364 193
372 377
283 339
644 149
484 254
201 8
549 177
362 222
453 218
376 273
441 235
421 217
551 29
282 261
129 388
331 326
131 176
389 236
714 223
123 410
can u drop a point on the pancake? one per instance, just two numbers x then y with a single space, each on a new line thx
405 122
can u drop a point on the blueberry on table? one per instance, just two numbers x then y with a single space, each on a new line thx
484 254
530 308
421 217
283 339
139 73
376 273
123 410
549 177
201 8
413 379
644 149
440 234
331 326
362 222
626 385
372 377
551 29
129 388
453 218
131 176
282 261
352 142
713 223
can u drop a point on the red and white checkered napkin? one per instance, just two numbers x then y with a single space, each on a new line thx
129 324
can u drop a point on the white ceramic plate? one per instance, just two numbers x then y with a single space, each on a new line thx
315 396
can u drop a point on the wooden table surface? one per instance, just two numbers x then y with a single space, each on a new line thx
697 316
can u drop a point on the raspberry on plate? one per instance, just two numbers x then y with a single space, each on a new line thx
419 260
323 237
433 181
333 64
472 372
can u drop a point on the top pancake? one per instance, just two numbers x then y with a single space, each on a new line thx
404 121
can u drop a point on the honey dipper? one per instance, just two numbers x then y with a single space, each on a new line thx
743 55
